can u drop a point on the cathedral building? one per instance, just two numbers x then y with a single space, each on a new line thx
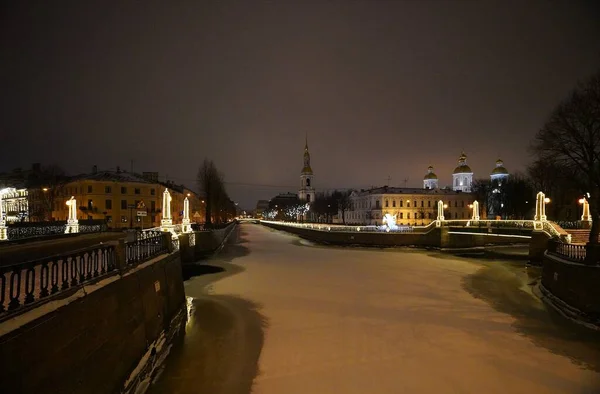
430 181
462 177
411 206
499 174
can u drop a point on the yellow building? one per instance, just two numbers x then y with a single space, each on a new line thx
410 205
124 200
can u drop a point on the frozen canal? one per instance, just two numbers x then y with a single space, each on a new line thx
279 315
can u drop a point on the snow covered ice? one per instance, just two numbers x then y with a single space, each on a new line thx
285 316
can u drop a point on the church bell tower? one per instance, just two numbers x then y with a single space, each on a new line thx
307 190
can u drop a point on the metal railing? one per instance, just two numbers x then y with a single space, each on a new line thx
572 252
192 239
346 228
146 248
24 284
525 224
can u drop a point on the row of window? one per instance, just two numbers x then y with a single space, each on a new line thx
108 204
108 190
415 204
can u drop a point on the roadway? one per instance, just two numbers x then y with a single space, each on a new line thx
276 314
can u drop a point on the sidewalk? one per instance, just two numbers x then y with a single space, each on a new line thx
11 254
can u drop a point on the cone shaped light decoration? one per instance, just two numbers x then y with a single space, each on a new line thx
166 224
475 210
586 217
72 222
185 223
440 215
540 207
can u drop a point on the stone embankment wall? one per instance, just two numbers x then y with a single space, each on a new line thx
576 284
95 339
205 243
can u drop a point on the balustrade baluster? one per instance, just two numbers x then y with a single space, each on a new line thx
102 263
44 279
96 263
15 285
110 259
81 266
29 285
89 265
73 270
65 273
54 276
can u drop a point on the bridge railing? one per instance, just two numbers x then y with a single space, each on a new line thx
572 252
143 249
525 224
24 284
356 228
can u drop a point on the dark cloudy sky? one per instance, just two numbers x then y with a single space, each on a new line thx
381 87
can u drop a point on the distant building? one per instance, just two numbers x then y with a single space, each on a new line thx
411 206
307 188
125 200
462 177
15 204
261 206
499 174
430 180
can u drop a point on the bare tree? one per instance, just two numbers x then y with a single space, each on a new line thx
343 203
571 140
44 186
483 193
210 182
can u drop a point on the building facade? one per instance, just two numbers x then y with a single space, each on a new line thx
15 204
411 206
125 200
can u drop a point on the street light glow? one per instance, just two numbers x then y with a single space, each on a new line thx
547 200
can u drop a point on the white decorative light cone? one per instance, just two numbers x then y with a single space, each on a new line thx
540 207
186 227
586 217
166 223
475 210
72 222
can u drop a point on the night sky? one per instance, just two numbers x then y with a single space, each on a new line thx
380 88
